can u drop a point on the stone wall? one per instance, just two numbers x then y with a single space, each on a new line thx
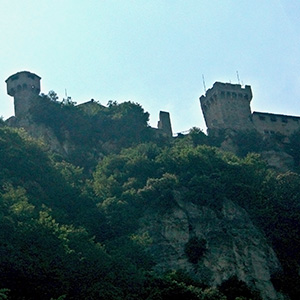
227 105
269 124
164 123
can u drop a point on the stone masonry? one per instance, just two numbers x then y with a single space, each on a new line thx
227 106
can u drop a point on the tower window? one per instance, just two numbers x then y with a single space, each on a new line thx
240 95
246 97
30 76
19 88
284 120
273 119
222 94
228 94
262 118
233 95
14 78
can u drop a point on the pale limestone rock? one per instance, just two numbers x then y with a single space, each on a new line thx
40 131
234 245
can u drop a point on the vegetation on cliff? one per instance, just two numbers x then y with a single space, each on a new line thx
69 234
92 129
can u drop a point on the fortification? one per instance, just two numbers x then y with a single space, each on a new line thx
269 124
227 105
23 86
164 123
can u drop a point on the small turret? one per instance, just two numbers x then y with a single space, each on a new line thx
227 106
24 87
164 123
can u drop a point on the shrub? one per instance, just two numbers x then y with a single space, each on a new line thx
195 249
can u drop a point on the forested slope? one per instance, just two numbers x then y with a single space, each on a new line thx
73 233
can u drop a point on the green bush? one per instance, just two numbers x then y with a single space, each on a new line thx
195 249
248 141
234 288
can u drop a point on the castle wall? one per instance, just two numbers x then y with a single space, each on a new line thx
268 124
227 106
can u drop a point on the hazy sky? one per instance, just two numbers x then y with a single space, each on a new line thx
154 52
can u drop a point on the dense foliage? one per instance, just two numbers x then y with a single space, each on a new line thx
194 249
92 128
69 234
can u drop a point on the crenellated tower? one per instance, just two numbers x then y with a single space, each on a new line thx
24 87
227 106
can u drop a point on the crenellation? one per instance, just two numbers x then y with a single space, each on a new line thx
227 106
224 106
24 86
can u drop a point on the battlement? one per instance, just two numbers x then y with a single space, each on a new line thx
228 90
24 86
227 105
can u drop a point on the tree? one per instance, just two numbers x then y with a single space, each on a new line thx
195 249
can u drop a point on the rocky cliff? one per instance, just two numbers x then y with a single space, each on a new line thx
234 246
43 133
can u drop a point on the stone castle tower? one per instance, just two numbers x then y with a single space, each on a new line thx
24 87
164 123
227 106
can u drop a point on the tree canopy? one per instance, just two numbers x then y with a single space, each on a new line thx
70 234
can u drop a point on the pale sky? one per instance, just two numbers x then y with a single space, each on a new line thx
154 52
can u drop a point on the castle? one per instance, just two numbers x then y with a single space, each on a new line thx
24 86
227 106
224 106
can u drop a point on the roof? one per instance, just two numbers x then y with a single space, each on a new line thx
22 72
275 115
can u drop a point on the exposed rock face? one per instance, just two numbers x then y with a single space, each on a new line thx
41 132
280 161
234 245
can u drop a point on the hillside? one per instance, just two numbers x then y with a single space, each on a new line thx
96 205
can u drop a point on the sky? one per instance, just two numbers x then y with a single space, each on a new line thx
154 52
